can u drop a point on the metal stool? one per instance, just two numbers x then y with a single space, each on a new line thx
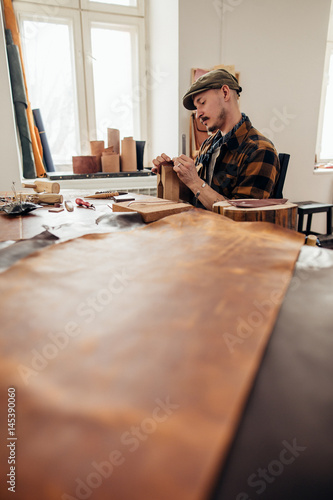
312 207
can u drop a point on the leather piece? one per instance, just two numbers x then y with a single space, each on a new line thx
20 104
291 399
19 249
46 152
68 225
15 251
254 203
11 24
152 309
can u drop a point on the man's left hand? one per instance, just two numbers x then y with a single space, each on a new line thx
185 169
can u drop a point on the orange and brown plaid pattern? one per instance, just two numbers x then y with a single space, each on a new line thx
247 166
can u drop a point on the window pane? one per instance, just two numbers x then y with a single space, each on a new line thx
327 135
115 75
126 3
51 84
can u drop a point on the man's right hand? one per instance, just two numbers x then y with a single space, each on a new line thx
158 161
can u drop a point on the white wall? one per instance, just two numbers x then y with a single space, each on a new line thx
199 47
10 165
182 34
162 64
279 48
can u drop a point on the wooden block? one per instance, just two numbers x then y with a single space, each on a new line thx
152 208
43 186
114 139
110 163
128 155
283 215
169 186
170 183
48 198
159 186
85 164
56 210
96 148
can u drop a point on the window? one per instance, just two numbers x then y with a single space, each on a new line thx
84 65
325 129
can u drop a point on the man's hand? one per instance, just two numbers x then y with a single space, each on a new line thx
158 161
185 169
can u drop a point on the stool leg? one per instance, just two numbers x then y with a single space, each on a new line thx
308 223
300 222
329 221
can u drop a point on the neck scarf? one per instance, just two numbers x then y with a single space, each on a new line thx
214 142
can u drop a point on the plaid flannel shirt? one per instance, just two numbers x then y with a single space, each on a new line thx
247 166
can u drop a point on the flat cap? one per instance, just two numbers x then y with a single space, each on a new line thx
213 80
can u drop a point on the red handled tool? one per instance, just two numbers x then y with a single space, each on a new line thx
82 203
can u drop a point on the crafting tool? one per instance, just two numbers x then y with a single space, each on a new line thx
85 204
123 198
56 210
47 198
184 144
69 206
103 194
19 208
43 186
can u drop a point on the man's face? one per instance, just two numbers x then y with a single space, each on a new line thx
210 109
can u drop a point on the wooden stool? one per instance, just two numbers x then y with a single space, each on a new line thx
312 207
283 215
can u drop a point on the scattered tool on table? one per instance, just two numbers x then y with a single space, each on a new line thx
16 204
69 206
56 209
104 194
19 207
44 198
85 204
47 198
43 186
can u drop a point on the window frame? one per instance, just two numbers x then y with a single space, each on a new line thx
329 53
25 10
137 11
52 11
90 17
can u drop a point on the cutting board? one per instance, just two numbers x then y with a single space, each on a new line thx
151 208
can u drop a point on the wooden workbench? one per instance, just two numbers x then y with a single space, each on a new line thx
179 348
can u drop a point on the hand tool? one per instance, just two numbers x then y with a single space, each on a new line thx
82 203
43 186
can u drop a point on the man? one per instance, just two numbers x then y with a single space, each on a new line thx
236 161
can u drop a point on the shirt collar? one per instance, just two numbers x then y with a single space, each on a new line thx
236 136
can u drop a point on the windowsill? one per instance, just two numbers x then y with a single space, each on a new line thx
139 181
323 168
55 176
